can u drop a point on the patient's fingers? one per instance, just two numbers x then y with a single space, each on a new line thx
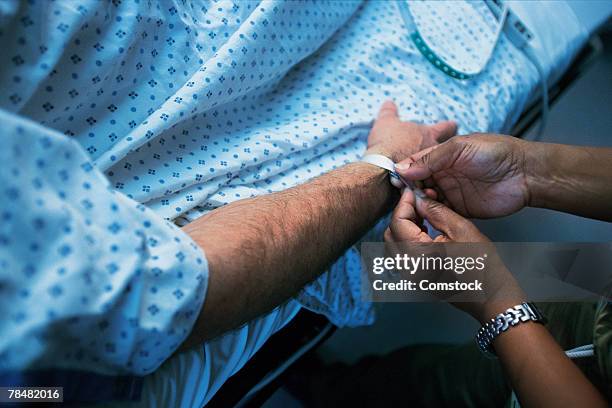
387 110
442 131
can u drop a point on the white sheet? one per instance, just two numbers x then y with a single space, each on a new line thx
591 14
554 48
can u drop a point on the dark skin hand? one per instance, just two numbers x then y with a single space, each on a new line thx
486 175
538 369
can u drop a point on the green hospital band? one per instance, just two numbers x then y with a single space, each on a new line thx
434 59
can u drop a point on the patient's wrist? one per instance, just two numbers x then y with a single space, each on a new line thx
369 171
379 149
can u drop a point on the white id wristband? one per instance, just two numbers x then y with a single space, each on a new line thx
387 164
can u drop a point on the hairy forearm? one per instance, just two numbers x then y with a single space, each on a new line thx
572 179
263 250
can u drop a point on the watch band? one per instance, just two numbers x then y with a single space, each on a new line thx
525 312
387 164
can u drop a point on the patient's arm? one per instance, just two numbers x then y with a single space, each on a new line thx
263 250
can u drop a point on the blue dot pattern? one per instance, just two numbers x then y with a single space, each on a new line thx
188 106
88 277
463 37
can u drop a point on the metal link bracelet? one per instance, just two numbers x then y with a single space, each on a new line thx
525 312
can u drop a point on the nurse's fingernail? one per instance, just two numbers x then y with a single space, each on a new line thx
402 166
419 193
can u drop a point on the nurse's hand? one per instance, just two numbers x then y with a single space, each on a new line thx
538 369
501 290
480 176
413 207
398 140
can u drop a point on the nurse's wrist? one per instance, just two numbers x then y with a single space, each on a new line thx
541 173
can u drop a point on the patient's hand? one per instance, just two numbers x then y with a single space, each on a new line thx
397 140
479 176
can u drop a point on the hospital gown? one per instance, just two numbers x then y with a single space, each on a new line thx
184 107
88 277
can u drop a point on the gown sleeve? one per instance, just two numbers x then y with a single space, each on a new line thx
89 279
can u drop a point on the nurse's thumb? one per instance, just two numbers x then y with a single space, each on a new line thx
427 162
441 217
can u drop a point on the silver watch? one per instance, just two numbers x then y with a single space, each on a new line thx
525 312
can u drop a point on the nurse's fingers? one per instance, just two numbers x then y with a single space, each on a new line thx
427 162
405 223
405 206
431 193
452 225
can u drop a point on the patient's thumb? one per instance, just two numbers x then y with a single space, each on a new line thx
442 131
387 110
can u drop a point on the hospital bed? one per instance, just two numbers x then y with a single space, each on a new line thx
176 76
269 368
563 62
